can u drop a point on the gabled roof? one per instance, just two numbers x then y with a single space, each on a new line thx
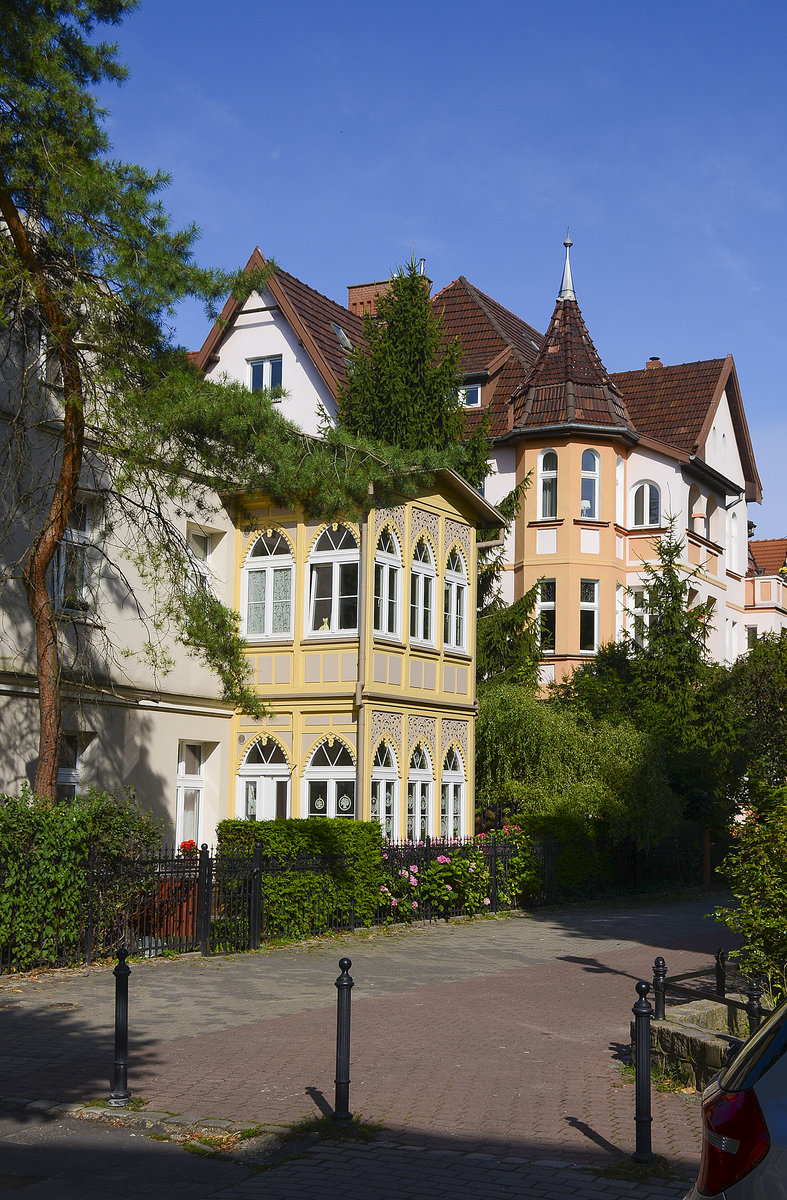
313 317
768 555
568 383
495 342
676 405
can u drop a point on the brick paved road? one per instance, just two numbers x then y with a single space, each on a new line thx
496 1037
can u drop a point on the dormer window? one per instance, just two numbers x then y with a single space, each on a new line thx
265 373
470 395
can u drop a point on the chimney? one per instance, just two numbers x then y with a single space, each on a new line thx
362 297
653 363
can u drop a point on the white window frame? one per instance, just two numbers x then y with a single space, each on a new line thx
189 782
267 372
423 593
261 783
455 609
387 591
589 606
647 488
340 780
385 791
453 783
546 605
199 544
468 389
620 492
337 559
69 778
268 565
420 785
72 554
547 487
639 616
590 476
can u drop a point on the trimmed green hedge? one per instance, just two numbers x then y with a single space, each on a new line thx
289 896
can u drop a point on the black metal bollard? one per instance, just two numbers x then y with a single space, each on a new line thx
344 986
120 1095
753 1006
721 972
643 1010
659 982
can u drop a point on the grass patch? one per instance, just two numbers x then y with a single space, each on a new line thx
325 1129
679 1078
634 1172
133 1104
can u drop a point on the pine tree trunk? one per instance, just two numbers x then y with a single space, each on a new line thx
41 553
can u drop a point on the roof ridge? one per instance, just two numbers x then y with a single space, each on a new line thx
481 300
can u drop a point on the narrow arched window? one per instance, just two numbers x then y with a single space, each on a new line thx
547 485
387 585
647 505
263 792
330 781
422 594
455 603
620 499
732 556
267 588
385 791
590 483
333 583
420 780
452 796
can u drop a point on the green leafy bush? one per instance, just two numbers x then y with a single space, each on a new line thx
756 869
291 895
44 850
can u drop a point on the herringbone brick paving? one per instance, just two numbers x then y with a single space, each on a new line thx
498 1037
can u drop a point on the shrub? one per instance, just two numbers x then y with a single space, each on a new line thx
756 869
44 850
288 895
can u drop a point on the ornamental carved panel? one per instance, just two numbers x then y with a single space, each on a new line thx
387 724
457 531
421 729
396 515
421 521
454 731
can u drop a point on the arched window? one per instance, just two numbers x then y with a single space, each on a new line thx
455 603
263 792
422 593
547 485
697 512
333 583
385 791
647 505
620 507
419 795
267 588
452 796
711 520
387 586
590 481
734 547
330 781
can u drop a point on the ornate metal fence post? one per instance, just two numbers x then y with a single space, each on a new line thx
659 981
643 1120
721 972
344 986
753 1006
255 905
204 881
120 1095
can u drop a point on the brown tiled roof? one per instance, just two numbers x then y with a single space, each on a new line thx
769 555
671 403
568 383
484 327
318 315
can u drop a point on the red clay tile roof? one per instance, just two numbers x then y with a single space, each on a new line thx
568 383
671 403
769 555
318 315
483 326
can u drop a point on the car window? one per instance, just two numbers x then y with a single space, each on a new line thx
758 1055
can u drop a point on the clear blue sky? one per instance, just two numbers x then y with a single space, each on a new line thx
339 137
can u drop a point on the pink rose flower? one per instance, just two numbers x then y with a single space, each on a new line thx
394 902
487 900
415 904
448 887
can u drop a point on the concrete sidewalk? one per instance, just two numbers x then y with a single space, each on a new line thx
497 1037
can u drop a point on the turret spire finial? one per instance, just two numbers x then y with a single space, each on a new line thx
567 285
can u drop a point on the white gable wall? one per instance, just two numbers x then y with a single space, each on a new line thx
260 330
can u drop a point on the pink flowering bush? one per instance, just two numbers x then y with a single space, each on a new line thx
455 882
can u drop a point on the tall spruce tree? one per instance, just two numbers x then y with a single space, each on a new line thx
93 389
403 383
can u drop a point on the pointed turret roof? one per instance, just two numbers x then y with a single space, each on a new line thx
568 383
